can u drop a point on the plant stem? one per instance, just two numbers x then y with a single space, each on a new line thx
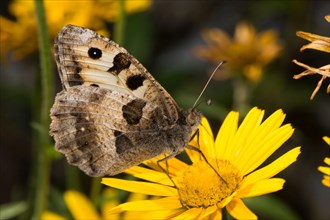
95 190
119 29
43 140
241 95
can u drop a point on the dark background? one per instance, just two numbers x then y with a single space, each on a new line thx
163 39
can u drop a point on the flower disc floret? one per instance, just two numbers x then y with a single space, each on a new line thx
200 185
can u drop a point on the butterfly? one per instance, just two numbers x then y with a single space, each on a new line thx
112 114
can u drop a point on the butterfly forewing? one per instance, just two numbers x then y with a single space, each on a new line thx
86 58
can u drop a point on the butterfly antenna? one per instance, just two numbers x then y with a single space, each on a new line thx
207 83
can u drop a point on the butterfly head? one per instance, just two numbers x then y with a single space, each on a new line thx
193 118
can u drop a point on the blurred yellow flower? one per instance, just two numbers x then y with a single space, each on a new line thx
20 36
320 43
82 208
247 53
48 215
199 191
326 169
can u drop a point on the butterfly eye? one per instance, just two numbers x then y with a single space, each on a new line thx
191 119
94 53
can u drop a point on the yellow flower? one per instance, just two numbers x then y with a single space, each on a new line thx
47 215
81 207
320 43
326 169
20 36
201 192
248 52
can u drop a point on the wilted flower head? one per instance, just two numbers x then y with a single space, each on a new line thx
320 43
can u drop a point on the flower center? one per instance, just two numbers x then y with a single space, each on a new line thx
200 186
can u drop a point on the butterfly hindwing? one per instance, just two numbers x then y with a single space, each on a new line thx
97 128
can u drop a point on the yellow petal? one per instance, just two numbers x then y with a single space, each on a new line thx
140 187
204 141
251 147
208 211
269 46
249 124
267 146
326 181
225 136
192 213
143 215
238 210
217 38
215 215
110 196
245 33
80 206
193 155
174 165
137 6
325 170
167 203
47 215
204 125
226 201
327 161
105 210
175 213
327 140
136 197
150 175
261 188
149 215
272 169
217 45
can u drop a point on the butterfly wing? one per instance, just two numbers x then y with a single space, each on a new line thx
86 58
105 132
112 114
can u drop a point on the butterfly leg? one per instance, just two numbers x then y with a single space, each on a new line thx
165 170
196 133
165 159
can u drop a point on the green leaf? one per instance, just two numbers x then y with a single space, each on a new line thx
12 210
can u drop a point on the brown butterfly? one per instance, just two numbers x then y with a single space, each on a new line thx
112 114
